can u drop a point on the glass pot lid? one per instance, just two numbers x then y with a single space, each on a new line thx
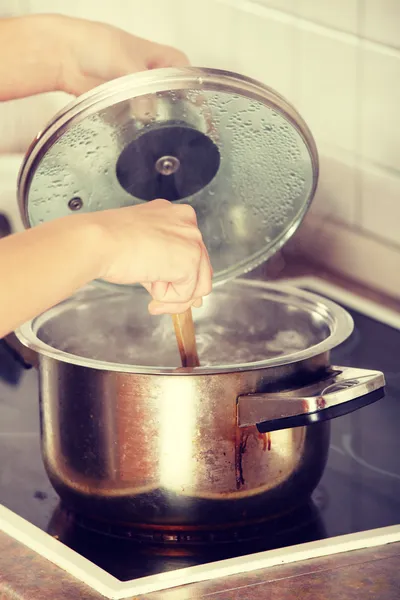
234 149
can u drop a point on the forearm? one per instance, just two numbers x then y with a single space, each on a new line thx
29 53
44 265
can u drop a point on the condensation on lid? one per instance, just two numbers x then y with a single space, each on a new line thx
232 148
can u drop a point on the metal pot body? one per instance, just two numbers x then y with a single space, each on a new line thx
243 437
167 450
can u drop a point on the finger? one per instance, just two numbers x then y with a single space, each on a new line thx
204 282
181 289
170 308
198 303
158 290
176 292
187 213
130 64
168 57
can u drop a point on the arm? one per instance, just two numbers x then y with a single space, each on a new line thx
156 244
45 53
44 265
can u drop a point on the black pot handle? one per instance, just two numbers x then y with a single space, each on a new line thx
344 391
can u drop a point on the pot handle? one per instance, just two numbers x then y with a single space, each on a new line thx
343 391
27 358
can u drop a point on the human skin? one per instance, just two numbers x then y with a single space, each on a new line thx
157 244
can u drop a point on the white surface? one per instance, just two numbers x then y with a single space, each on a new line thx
336 195
380 192
379 108
381 21
354 253
285 5
207 33
338 14
264 49
326 84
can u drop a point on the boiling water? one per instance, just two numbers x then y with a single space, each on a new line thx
231 328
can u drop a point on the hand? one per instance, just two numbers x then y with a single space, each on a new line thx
95 53
47 53
159 245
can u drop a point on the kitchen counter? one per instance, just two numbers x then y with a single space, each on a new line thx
368 573
371 573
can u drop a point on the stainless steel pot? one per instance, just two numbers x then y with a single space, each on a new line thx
126 436
243 437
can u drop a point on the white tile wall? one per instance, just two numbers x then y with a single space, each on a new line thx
11 8
154 19
380 213
207 32
380 21
351 252
325 73
338 61
264 49
339 14
284 5
380 105
336 196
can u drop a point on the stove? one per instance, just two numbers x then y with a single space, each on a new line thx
359 491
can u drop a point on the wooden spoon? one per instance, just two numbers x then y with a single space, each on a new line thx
186 339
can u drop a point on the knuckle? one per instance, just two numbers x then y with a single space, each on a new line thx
177 58
160 202
187 210
197 236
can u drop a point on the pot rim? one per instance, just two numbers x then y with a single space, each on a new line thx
337 318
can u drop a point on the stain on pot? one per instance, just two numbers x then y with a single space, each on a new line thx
266 440
240 449
242 438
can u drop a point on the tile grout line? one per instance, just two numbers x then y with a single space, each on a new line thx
358 134
304 23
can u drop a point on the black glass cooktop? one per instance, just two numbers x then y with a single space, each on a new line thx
360 489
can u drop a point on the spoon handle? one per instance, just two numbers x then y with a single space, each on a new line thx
186 339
